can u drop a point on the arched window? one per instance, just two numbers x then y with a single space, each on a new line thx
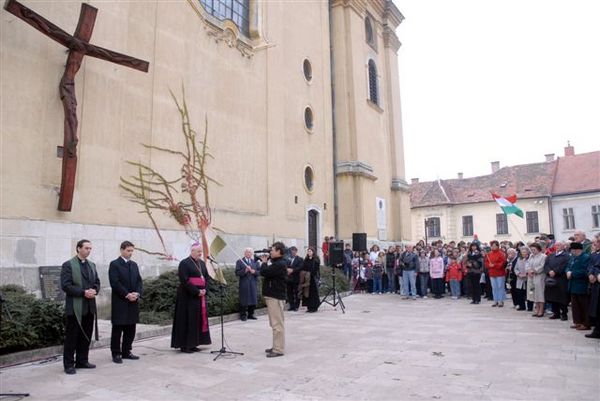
235 10
373 91
369 37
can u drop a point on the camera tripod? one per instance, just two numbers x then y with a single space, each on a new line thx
336 298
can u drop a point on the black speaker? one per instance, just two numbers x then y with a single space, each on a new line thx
359 242
336 253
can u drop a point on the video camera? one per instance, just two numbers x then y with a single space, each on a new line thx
261 252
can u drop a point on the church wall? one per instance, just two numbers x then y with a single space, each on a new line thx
254 107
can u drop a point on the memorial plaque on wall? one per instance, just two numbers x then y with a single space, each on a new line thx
50 283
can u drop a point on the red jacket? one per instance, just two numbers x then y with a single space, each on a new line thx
498 259
454 272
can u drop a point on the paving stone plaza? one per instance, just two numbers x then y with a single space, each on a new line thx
382 348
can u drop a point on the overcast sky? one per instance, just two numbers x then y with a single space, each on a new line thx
506 80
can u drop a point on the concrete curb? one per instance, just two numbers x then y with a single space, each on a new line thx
33 355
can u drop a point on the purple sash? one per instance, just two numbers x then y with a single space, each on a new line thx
200 282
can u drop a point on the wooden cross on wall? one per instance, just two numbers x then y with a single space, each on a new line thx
79 46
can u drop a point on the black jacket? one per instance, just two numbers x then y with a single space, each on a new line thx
296 265
275 275
88 280
123 280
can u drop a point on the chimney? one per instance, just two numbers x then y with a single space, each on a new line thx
460 176
414 180
549 157
569 150
495 166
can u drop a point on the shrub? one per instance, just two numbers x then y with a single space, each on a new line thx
158 303
28 322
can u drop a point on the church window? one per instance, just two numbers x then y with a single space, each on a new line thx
373 90
309 178
308 118
235 10
307 68
369 35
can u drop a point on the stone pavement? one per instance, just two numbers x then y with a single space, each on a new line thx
383 348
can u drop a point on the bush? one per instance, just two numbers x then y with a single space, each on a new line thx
158 303
28 322
342 283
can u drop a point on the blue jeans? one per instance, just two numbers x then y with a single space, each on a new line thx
376 285
498 288
391 280
409 283
455 288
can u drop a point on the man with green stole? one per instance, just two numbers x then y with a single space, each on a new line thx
79 280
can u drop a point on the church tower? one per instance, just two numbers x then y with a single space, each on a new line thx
371 190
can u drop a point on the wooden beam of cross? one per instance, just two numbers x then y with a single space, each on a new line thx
79 46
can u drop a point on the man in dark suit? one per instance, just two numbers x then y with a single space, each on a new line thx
79 280
126 284
248 270
294 279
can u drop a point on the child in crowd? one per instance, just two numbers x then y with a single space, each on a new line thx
436 272
377 273
454 277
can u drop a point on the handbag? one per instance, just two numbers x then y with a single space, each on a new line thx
550 282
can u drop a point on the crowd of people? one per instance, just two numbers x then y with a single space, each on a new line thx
542 275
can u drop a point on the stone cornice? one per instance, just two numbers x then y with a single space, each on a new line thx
392 15
356 168
390 39
398 184
359 6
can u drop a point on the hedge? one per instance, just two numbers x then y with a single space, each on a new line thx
158 303
28 322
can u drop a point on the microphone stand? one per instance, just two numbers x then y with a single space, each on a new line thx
223 351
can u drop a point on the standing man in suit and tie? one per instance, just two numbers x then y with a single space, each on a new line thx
248 270
294 279
79 280
126 284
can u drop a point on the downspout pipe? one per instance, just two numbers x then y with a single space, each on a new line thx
333 129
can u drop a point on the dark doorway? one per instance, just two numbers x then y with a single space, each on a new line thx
313 226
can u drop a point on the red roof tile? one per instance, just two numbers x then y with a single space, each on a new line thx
525 180
577 174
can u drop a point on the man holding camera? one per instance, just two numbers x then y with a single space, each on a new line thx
275 273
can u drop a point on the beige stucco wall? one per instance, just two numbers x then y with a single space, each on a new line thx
254 108
484 221
368 133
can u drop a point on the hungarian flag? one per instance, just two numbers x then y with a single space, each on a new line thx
508 204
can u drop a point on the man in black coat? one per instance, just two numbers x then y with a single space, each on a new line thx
126 284
247 269
294 279
190 321
79 280
555 290
274 290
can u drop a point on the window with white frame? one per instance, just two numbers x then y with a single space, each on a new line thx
568 218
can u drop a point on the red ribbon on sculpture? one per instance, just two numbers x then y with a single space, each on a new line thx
200 282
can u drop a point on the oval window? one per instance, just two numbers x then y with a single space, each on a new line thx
309 178
308 118
307 68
